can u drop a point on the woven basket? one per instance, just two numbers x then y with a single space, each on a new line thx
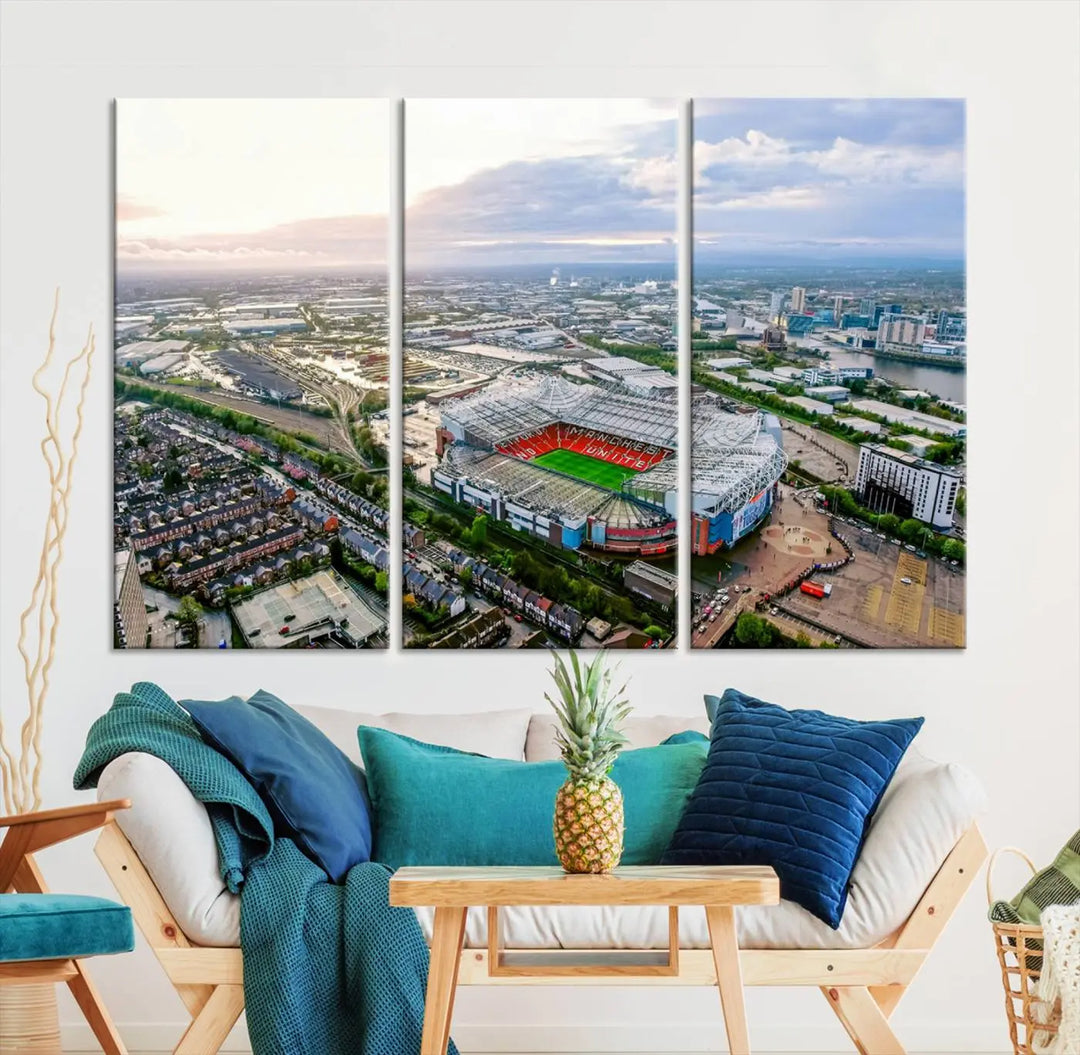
1020 956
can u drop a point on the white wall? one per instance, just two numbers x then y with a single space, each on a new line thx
1006 707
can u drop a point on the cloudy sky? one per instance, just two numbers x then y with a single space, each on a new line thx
275 184
829 178
525 181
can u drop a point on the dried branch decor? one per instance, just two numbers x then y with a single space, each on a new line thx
20 767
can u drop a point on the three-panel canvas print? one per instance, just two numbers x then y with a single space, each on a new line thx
542 368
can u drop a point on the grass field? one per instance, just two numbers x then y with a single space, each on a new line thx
591 470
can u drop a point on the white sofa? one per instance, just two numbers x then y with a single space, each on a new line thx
923 815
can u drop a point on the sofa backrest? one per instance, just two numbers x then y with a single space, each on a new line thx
516 734
497 734
642 731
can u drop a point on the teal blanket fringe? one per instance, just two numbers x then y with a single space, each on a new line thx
329 969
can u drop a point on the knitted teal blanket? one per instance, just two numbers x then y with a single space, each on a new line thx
329 969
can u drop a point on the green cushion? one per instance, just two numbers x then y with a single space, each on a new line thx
59 926
437 806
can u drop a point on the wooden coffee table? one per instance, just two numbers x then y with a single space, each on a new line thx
452 891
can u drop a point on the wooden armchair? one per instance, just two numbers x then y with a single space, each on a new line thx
45 937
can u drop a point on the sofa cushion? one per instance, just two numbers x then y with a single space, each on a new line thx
640 730
58 926
791 789
437 806
315 794
497 734
925 810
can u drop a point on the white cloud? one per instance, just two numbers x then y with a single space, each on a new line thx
757 148
774 198
860 162
449 140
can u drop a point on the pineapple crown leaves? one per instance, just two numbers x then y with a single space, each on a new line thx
589 714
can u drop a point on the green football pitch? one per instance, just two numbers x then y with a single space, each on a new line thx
591 470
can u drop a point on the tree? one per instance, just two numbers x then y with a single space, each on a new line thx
754 632
478 531
173 479
910 530
466 578
652 630
889 523
382 581
953 549
188 615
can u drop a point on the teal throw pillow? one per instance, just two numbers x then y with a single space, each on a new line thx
437 806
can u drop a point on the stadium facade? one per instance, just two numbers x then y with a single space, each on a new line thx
493 445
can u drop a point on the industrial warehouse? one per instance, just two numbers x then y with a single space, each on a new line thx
594 465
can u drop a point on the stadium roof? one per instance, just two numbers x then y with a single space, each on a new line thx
734 457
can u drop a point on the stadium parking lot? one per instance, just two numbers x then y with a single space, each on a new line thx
872 602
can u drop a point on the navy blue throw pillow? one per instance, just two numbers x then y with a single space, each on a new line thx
316 796
792 789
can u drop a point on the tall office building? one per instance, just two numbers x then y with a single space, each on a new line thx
901 332
776 306
867 305
798 300
892 481
885 309
951 326
837 309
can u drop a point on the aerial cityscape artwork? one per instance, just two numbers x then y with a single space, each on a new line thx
829 355
540 381
251 373
540 396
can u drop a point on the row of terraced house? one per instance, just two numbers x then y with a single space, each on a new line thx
560 619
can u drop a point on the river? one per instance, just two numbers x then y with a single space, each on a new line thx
948 384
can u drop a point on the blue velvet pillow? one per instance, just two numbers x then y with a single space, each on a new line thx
791 789
316 796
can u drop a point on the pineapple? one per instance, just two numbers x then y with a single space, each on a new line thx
589 806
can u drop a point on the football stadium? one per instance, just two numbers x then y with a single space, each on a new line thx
584 464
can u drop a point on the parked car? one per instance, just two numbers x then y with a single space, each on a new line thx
906 581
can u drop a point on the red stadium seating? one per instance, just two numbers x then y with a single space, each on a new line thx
590 442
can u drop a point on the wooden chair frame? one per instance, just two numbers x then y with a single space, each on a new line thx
26 834
862 986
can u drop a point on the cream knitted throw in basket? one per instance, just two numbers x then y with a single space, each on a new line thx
1060 979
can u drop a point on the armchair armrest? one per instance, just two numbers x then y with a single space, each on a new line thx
30 832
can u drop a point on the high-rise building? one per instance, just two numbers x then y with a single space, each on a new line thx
951 326
129 606
901 332
893 481
776 306
798 300
837 309
883 309
867 305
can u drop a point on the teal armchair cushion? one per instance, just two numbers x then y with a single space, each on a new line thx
61 926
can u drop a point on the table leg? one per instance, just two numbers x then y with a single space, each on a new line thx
725 950
446 942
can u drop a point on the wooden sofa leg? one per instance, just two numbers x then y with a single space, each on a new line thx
864 1021
94 1011
211 1025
